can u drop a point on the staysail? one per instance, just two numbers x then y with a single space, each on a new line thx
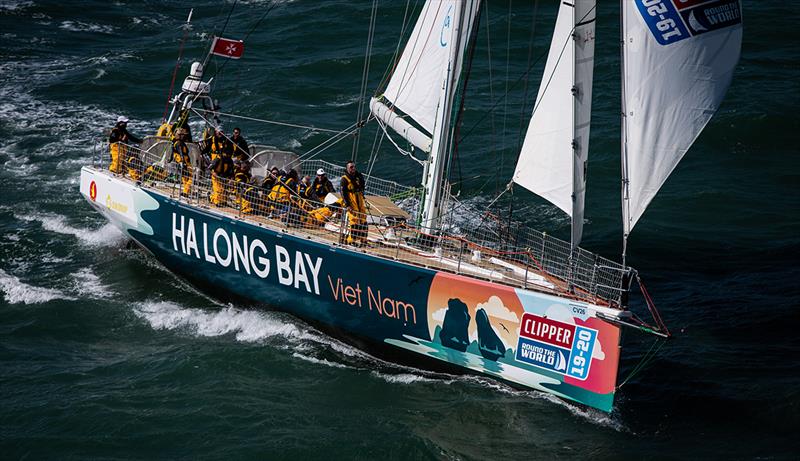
678 60
552 163
415 86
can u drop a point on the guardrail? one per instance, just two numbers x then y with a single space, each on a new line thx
484 248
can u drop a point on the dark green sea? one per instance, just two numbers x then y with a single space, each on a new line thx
106 355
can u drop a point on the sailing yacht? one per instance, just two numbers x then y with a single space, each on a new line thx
519 306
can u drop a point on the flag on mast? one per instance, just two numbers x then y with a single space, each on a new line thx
227 48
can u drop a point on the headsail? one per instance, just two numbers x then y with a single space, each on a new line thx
679 58
552 163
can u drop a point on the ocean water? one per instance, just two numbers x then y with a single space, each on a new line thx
104 354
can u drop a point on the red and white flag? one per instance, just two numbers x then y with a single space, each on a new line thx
227 48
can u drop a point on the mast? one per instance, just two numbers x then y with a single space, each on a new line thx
623 135
433 171
553 159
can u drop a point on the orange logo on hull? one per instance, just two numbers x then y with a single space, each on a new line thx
93 191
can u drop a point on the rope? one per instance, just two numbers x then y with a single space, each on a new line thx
272 122
524 75
186 28
399 149
365 74
646 359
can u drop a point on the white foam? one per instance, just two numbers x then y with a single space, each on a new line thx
17 292
10 5
79 26
88 284
106 235
405 378
246 325
317 361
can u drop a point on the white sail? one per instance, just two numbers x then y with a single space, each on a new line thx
678 63
552 163
416 83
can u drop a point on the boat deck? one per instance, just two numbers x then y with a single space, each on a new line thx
391 242
507 253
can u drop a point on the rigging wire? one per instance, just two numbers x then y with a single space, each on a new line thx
505 100
365 75
524 75
523 110
186 28
273 122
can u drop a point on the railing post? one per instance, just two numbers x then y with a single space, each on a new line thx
460 255
527 265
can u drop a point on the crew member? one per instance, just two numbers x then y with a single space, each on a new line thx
250 202
118 141
241 150
280 197
217 145
321 186
304 188
284 188
318 216
221 173
134 165
241 178
353 197
180 155
271 178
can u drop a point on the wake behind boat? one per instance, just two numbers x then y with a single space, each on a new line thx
400 278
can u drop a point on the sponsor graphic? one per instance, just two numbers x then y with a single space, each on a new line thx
671 21
556 346
93 191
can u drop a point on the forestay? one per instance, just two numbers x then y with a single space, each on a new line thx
552 163
679 58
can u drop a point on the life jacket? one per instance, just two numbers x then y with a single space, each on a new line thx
321 188
353 192
241 176
219 146
282 190
180 155
224 166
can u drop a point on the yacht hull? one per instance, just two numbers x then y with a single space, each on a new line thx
540 341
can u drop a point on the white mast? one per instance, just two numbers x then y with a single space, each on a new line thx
456 22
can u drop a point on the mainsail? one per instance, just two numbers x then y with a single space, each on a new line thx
416 82
678 60
423 87
552 163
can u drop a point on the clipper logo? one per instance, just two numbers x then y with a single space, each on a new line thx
93 191
556 346
671 21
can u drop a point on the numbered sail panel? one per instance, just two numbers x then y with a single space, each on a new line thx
679 58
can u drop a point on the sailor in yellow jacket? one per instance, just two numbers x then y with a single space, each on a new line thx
180 155
319 216
221 174
118 141
353 197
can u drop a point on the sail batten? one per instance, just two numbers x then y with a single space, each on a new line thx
679 59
